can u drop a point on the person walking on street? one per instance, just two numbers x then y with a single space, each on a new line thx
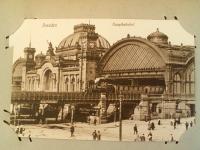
174 125
72 130
171 123
95 121
98 136
142 138
136 137
94 135
150 136
172 138
88 120
179 120
135 129
21 130
159 123
149 126
17 130
191 124
186 125
152 126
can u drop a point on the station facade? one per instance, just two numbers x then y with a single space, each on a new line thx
154 78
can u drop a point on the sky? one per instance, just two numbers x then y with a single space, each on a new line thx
42 31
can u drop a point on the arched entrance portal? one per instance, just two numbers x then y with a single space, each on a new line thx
48 81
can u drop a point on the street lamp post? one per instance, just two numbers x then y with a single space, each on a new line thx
62 111
100 114
115 115
72 114
120 118
163 105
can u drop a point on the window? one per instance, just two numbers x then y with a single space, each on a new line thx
33 85
72 84
29 85
66 84
190 82
177 84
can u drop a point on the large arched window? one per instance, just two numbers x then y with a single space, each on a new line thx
190 77
177 84
48 81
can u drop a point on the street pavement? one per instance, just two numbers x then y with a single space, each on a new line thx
109 131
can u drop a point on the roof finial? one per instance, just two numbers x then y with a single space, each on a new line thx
181 44
30 40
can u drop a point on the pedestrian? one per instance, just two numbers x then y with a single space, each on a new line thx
89 119
21 130
171 123
179 120
72 130
186 125
142 138
136 137
174 125
175 120
17 130
94 135
159 123
149 126
98 136
188 114
152 126
150 136
29 134
135 129
95 121
191 124
172 138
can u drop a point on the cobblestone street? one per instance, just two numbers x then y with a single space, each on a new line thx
109 131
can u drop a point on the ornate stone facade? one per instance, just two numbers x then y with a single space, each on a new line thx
161 74
70 69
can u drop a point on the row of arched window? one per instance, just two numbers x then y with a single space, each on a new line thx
71 83
188 84
32 84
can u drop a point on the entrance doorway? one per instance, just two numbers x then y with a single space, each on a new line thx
48 81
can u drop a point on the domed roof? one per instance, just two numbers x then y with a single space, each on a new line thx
83 31
158 37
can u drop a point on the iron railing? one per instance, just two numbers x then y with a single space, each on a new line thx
37 96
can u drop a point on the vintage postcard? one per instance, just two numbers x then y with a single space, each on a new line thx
103 79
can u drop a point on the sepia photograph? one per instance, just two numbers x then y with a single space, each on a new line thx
103 80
